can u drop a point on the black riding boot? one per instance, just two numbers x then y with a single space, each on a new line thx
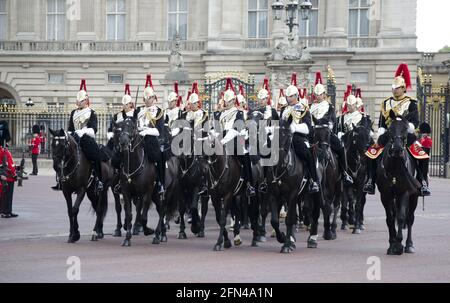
348 180
98 173
263 186
369 187
314 184
161 176
422 174
249 177
58 184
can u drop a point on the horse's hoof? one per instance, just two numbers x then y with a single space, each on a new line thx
261 239
195 229
201 234
100 235
117 233
148 231
255 243
356 231
70 239
182 235
273 234
156 241
410 249
167 226
287 249
237 242
395 249
246 226
217 247
126 243
227 244
362 227
333 235
94 238
164 239
344 226
281 238
312 243
327 235
76 236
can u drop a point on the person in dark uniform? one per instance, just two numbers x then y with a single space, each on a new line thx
266 112
151 127
301 127
402 105
7 174
35 148
323 113
83 125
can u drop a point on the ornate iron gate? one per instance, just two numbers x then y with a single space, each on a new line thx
215 84
434 107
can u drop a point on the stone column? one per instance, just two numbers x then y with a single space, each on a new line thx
231 25
336 22
214 24
132 14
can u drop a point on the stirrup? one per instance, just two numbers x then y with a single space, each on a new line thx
99 185
203 190
117 189
263 187
250 190
369 188
348 180
313 187
424 190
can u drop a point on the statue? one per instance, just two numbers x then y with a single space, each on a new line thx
176 61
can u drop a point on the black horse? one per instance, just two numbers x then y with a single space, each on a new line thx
356 143
330 180
225 189
398 187
74 172
137 180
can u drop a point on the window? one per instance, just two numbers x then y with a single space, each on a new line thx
56 20
310 27
115 78
115 18
3 20
177 16
56 78
358 24
258 18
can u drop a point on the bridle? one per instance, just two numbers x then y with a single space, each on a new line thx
64 161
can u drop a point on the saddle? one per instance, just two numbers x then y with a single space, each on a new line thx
374 151
105 153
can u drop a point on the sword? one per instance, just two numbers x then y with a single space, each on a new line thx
137 94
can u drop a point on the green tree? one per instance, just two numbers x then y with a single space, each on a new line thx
445 49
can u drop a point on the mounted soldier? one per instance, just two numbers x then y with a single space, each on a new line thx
401 105
198 119
282 102
301 127
83 125
266 112
323 113
151 126
128 111
174 111
350 117
229 120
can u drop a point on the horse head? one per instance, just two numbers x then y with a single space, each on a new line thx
360 136
398 132
285 134
125 132
322 135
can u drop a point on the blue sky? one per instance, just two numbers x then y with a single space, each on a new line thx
433 24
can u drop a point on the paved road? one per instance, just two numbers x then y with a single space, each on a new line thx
33 248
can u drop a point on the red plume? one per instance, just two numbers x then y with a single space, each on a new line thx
294 79
266 87
403 71
175 87
179 101
318 78
281 93
241 89
349 91
83 85
230 85
127 89
302 93
188 96
149 81
344 105
358 93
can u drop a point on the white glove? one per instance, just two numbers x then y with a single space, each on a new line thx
381 131
149 132
80 132
340 134
269 129
175 132
214 133
109 135
244 133
231 134
300 128
330 125
411 128
90 132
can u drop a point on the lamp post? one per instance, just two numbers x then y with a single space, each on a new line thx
291 8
